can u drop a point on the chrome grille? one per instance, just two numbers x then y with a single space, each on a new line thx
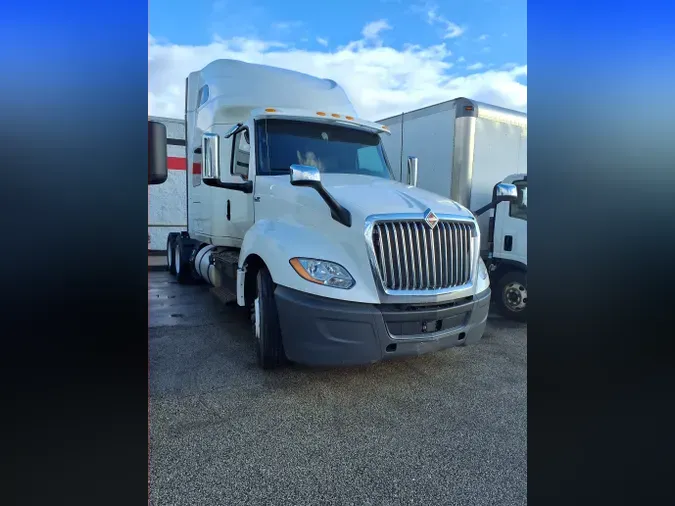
412 256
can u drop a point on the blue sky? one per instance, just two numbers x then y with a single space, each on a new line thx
432 49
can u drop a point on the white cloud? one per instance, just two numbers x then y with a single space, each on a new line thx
323 42
461 59
372 30
519 71
452 30
475 66
380 80
287 25
483 37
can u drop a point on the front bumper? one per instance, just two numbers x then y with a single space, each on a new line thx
321 331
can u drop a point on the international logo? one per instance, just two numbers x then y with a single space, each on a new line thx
430 218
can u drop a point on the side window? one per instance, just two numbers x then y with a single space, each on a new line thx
368 158
203 95
518 209
241 153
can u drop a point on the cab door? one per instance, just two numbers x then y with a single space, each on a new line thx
232 209
510 228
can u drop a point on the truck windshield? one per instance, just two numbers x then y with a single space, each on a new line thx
331 149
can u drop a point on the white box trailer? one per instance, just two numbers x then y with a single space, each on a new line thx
167 202
464 149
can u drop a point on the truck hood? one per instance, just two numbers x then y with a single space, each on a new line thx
367 195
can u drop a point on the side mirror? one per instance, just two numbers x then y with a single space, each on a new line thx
305 175
504 192
412 171
211 157
157 169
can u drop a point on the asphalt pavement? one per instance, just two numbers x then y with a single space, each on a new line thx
444 428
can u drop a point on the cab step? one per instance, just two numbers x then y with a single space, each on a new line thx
224 295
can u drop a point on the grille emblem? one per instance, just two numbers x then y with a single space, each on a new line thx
430 218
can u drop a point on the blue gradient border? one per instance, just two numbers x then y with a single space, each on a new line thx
601 162
73 150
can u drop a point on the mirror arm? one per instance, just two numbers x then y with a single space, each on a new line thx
485 208
246 187
337 211
234 131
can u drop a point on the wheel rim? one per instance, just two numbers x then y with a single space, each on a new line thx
515 296
177 259
256 317
168 255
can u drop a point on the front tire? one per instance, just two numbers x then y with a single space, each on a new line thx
265 319
511 296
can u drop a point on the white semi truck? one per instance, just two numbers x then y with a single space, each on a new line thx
293 209
464 149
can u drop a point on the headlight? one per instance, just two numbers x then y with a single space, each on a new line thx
482 270
323 272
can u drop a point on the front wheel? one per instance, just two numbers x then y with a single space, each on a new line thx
511 296
265 319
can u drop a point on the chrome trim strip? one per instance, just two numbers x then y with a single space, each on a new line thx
412 285
426 254
379 235
432 240
397 282
391 260
419 253
441 258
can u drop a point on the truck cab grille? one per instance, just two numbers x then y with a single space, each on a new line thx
410 255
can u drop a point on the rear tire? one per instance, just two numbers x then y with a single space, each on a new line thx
170 254
265 319
511 296
181 258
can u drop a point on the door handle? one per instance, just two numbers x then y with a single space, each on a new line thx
508 242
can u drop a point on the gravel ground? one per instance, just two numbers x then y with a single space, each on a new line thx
445 428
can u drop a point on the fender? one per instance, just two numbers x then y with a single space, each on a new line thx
498 264
276 242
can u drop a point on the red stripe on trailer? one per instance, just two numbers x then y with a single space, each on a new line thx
178 163
175 163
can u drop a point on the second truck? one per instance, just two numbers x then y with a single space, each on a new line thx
465 148
294 211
